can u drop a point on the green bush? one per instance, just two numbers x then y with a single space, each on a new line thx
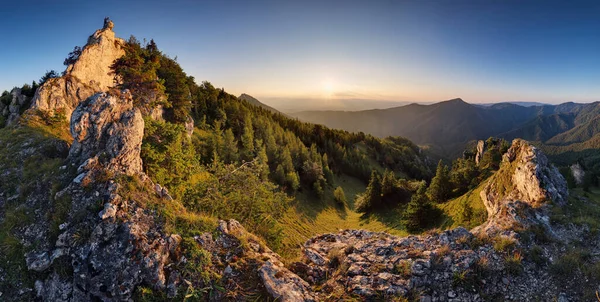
339 196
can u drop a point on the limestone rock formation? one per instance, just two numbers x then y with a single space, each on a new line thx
124 245
480 151
93 65
453 265
107 128
11 111
578 173
225 245
526 180
89 74
60 96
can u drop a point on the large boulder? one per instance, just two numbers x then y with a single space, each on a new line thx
480 150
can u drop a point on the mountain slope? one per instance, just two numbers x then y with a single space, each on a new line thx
447 126
250 99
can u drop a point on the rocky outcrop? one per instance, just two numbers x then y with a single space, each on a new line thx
11 111
578 173
93 65
453 265
108 130
525 181
60 96
89 74
120 245
480 151
260 267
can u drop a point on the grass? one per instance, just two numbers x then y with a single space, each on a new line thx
456 211
309 217
583 208
513 264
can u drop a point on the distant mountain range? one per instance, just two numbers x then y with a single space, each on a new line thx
448 126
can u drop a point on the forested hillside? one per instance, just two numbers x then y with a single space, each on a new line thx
248 162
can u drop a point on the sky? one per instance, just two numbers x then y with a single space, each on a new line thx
413 51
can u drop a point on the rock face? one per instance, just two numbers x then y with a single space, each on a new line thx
124 245
89 74
11 111
108 128
526 180
480 151
578 173
93 65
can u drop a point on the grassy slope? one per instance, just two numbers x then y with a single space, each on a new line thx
310 217
452 210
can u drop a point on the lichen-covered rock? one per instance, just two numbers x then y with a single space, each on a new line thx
525 181
88 75
109 242
480 150
61 96
10 112
243 260
93 65
578 173
107 129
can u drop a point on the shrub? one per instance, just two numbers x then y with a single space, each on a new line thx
339 196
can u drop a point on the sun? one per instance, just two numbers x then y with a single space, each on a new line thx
328 86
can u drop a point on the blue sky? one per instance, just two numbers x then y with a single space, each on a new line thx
481 51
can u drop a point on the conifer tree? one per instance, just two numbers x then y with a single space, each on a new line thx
439 189
248 140
286 160
371 198
339 196
263 162
418 210
230 150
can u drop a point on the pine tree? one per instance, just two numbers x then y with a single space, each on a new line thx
286 160
263 162
248 140
388 183
419 208
292 180
371 198
279 175
229 150
339 196
439 189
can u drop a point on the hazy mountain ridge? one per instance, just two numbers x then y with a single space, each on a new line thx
449 125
